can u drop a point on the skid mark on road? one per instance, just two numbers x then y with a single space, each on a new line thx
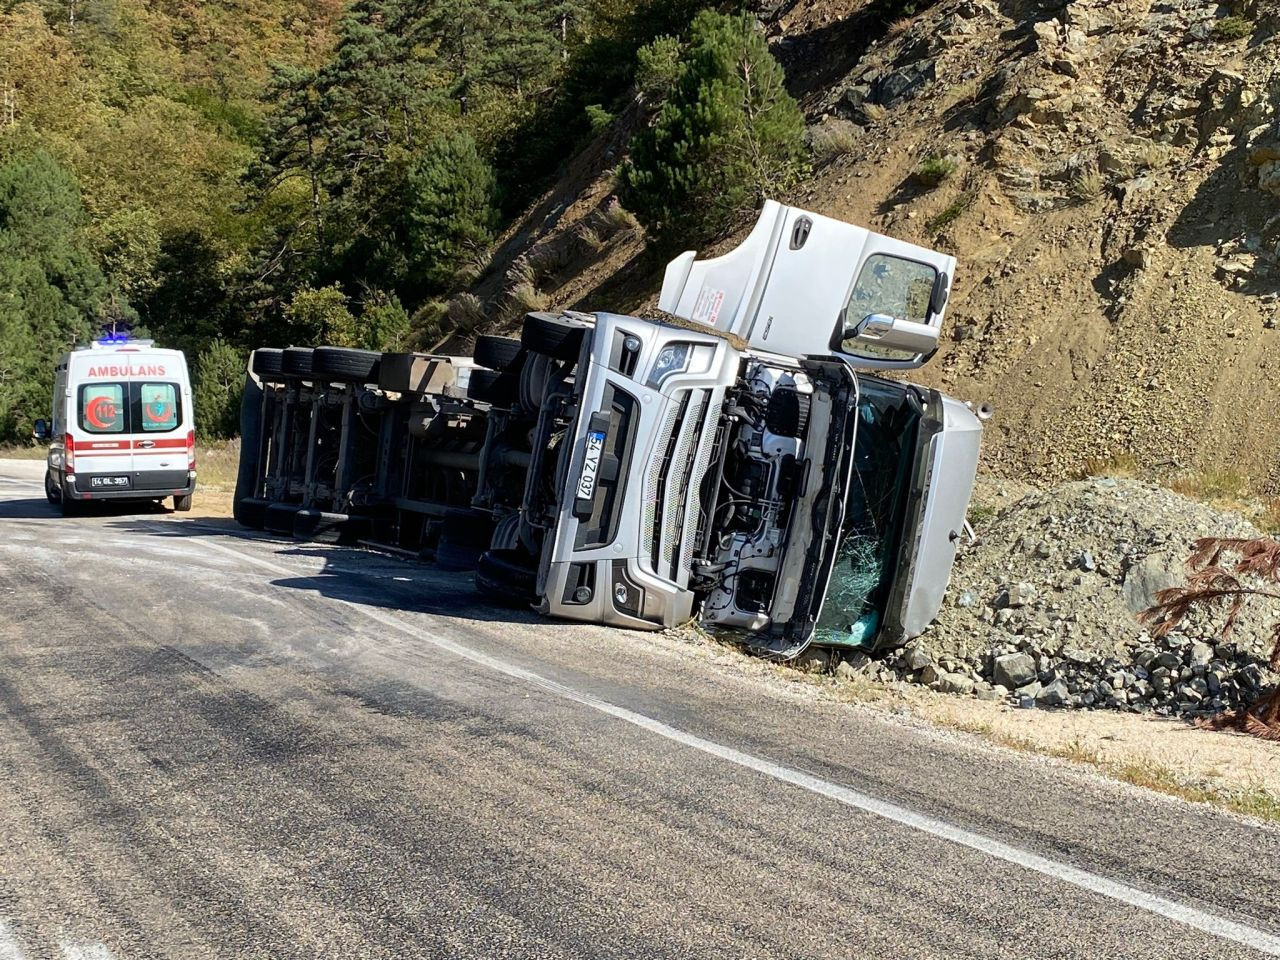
1210 923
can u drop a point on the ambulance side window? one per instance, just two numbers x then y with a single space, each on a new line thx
159 407
102 408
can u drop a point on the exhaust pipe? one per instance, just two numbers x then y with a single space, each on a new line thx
983 411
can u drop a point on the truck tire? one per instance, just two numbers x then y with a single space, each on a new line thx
296 361
555 335
534 377
507 578
250 512
182 503
346 365
249 469
494 388
266 362
278 518
497 353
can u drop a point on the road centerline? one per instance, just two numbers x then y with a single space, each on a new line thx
1186 914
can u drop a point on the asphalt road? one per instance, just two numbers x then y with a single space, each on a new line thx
215 744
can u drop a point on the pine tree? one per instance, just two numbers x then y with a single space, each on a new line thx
219 384
449 209
729 133
51 290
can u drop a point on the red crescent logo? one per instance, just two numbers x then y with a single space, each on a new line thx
101 413
158 412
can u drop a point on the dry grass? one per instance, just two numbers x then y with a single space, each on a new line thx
615 219
965 92
1220 485
832 140
24 452
1122 464
898 27
1253 801
217 463
1086 185
874 112
465 312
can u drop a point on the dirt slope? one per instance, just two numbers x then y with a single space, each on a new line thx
1111 205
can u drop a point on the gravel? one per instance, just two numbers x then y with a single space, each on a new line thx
1042 609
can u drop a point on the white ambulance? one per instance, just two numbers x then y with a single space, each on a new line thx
123 426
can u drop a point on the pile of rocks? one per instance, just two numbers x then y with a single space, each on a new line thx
1042 609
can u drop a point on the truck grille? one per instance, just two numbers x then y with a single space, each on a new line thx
671 487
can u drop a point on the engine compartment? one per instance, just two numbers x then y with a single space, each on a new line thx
765 448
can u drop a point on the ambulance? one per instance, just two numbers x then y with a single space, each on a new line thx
123 426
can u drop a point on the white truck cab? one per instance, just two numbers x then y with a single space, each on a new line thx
123 426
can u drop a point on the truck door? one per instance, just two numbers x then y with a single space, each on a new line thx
102 452
802 284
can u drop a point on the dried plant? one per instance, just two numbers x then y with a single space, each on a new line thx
1227 573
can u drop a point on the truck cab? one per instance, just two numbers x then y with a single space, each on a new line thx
122 426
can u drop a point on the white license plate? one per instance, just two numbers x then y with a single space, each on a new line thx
108 481
590 466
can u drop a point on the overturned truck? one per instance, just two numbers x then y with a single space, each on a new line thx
733 459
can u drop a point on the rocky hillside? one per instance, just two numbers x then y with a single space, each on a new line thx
1111 191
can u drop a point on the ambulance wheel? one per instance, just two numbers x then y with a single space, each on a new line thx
346 365
507 578
497 353
182 503
70 507
555 335
52 492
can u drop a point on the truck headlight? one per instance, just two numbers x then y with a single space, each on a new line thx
673 358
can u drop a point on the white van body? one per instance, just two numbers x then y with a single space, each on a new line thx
802 284
123 426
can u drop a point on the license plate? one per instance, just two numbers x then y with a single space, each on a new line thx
108 481
590 465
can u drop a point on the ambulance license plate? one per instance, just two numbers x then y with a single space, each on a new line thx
108 481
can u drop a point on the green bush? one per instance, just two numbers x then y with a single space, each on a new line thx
1232 28
384 322
450 209
934 169
599 118
321 317
728 132
218 386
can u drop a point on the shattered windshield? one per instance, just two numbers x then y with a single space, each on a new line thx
861 577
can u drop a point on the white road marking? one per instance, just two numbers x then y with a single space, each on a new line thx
9 947
84 951
1214 924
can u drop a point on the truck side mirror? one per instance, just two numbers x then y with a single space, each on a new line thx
40 431
882 330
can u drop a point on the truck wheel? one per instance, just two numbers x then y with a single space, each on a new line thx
52 492
555 335
266 362
507 578
492 387
497 353
278 518
534 377
250 512
324 527
345 365
182 503
296 361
